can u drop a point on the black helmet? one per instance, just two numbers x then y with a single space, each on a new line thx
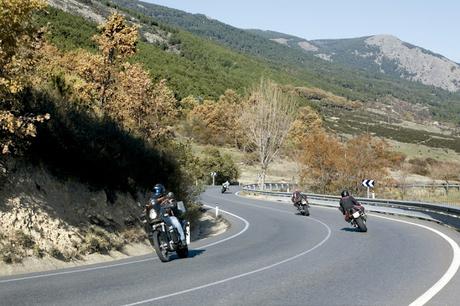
345 193
159 190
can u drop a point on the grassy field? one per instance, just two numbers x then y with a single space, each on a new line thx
412 150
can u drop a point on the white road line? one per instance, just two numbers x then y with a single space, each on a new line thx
73 271
243 274
451 271
448 275
246 226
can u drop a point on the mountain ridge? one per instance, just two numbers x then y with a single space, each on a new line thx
409 61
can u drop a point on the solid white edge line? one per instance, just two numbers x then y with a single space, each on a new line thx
246 226
448 275
243 274
73 271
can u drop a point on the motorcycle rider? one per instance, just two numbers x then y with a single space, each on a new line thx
347 202
167 201
226 185
297 198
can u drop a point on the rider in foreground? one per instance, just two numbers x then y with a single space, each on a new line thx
166 200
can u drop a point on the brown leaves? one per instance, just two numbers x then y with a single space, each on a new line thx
117 40
334 166
14 128
216 122
19 41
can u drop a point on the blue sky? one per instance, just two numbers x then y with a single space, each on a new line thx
431 24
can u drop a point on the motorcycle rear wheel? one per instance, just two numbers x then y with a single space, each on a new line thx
361 224
159 241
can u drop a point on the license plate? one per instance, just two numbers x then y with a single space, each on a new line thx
356 214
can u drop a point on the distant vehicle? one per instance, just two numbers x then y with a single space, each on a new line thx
303 207
300 201
225 186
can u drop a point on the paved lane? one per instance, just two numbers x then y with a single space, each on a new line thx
273 257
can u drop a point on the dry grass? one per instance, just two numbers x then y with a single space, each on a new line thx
421 151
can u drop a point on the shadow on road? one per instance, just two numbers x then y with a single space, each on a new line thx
350 229
193 253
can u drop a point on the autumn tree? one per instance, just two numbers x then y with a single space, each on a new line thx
307 121
333 166
19 40
321 159
141 107
267 119
217 122
117 41
105 85
365 157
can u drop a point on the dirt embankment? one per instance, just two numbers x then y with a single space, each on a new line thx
47 223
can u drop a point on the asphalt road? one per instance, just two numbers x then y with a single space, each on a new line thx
270 256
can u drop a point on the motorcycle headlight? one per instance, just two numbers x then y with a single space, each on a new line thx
152 214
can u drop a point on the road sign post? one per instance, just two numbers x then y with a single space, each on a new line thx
368 184
213 175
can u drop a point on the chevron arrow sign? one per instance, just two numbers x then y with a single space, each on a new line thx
368 183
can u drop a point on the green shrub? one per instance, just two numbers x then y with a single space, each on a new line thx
24 240
223 165
193 213
38 252
56 253
96 241
10 253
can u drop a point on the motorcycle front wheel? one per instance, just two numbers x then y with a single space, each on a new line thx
306 211
160 243
361 224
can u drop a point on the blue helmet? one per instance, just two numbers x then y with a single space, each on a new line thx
158 190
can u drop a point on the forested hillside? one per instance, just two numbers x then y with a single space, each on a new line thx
355 84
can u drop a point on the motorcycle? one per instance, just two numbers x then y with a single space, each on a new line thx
302 207
358 217
224 188
163 236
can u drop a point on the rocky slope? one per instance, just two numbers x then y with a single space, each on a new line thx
380 53
415 63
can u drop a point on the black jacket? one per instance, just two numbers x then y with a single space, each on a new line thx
346 203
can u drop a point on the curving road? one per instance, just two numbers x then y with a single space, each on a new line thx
270 256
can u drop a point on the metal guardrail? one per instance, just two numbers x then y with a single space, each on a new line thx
443 213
